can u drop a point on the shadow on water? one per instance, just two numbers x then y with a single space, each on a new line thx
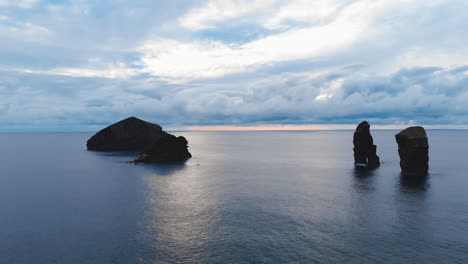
363 173
414 182
363 180
115 153
164 169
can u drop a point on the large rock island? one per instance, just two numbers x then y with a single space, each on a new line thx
130 134
133 134
413 148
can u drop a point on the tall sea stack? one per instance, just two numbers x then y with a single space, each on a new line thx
365 152
413 148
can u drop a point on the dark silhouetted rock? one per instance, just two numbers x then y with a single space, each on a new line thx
131 134
168 148
365 152
373 161
413 149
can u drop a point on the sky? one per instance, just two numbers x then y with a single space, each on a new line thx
78 65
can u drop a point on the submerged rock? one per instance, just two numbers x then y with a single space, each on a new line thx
131 134
413 148
365 152
168 148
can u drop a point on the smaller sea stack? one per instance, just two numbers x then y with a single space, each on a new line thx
168 148
413 148
365 152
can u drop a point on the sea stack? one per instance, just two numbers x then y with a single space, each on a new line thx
413 148
133 134
365 152
130 134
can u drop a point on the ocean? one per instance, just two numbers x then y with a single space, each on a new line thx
244 197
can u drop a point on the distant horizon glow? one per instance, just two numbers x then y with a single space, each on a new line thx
320 127
269 128
175 129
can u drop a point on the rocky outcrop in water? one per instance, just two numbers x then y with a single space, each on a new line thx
168 148
131 134
365 152
413 148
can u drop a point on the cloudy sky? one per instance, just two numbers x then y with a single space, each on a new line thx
76 65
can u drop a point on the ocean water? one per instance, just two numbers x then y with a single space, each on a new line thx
245 197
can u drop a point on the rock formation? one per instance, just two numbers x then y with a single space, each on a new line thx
168 148
413 149
365 152
131 134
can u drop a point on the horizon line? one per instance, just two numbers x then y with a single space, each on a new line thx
316 127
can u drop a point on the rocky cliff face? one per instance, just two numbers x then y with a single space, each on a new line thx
131 134
413 148
365 152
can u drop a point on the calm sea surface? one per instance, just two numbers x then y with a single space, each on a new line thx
245 197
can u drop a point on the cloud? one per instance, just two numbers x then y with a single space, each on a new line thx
25 31
277 14
424 95
77 65
19 3
113 71
193 60
305 11
183 60
221 10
